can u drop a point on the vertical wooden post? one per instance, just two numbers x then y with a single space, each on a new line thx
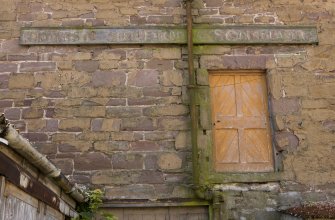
2 197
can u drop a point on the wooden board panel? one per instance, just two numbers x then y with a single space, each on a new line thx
242 137
229 150
161 213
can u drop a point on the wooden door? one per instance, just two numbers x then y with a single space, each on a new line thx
242 137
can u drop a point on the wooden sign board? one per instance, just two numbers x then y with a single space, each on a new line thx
249 34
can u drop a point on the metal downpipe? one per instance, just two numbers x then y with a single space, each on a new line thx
192 91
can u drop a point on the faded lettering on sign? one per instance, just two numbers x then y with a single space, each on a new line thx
261 35
256 35
102 36
169 35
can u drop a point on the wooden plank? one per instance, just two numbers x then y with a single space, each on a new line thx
2 196
232 34
18 209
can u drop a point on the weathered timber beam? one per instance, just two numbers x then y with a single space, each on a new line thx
15 174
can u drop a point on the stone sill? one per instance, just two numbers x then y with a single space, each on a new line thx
219 178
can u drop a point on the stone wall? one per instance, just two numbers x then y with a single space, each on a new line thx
117 117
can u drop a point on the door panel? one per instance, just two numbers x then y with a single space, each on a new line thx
242 138
229 152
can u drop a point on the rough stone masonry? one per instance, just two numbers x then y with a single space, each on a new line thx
117 117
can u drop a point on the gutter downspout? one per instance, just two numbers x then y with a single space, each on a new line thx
25 149
193 108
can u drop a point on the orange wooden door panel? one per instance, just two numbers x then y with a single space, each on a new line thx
242 138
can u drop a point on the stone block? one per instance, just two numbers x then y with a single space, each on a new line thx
4 81
159 64
167 53
86 65
155 91
159 135
289 199
81 178
8 67
143 78
123 136
13 113
6 103
202 77
37 66
127 161
29 113
74 78
275 84
108 64
172 78
74 146
64 65
174 123
145 146
21 81
116 102
137 124
51 125
172 110
109 79
279 123
320 115
140 54
93 136
109 147
112 177
285 106
143 101
74 124
85 161
123 112
82 56
160 19
151 177
100 124
183 140
325 90
170 161
46 148
90 111
264 19
183 192
47 80
286 141
150 162
314 103
138 191
65 165
56 137
233 62
36 137
35 125
139 20
213 3
329 125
